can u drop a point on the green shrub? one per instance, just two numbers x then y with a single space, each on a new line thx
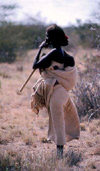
14 38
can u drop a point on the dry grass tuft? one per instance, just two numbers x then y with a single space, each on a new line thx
5 138
4 75
94 127
45 140
73 158
28 139
27 161
97 150
9 163
20 68
82 126
90 143
90 166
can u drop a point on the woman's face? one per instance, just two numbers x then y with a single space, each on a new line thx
67 42
53 42
47 39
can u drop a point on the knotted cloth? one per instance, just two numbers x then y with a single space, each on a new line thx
63 117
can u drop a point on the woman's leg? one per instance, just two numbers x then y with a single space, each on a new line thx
57 103
59 151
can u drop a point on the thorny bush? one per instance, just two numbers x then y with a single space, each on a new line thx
88 97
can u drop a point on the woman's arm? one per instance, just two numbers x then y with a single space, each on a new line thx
45 61
36 58
38 54
56 56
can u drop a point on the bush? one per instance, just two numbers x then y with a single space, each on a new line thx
7 51
89 35
7 44
73 158
88 98
16 38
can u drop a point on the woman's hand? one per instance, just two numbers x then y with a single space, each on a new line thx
38 55
42 45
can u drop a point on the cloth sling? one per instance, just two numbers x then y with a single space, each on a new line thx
63 117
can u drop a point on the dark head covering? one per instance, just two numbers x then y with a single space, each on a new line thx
56 35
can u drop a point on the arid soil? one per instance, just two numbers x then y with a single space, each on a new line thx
23 134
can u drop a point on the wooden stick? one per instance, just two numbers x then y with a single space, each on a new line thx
26 81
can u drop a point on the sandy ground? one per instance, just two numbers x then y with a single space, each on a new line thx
22 132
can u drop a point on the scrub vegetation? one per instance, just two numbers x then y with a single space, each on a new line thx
17 39
23 134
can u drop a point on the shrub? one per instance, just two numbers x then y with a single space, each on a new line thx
7 45
18 38
73 158
88 98
8 163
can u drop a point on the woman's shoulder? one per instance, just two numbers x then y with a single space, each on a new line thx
52 53
68 55
70 59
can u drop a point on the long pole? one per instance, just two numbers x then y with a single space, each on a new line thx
21 89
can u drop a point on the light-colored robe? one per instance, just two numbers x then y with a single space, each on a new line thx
63 117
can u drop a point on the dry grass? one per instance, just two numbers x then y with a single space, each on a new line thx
83 127
23 143
94 127
88 98
97 151
73 158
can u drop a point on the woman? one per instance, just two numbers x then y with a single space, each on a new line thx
58 76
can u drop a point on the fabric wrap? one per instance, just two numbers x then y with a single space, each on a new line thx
63 117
